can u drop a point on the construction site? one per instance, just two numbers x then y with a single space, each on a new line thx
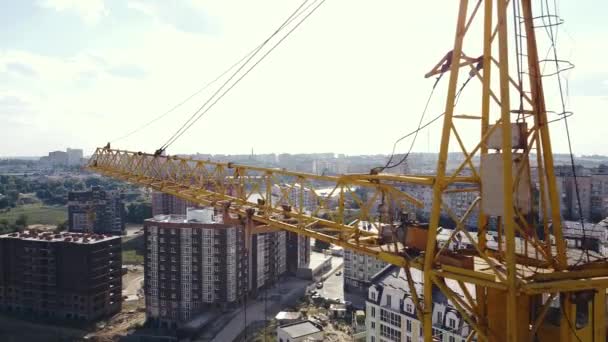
508 286
494 264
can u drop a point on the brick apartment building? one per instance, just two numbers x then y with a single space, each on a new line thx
200 262
166 204
69 276
96 211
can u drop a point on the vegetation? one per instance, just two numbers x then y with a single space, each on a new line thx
54 190
137 212
130 257
35 214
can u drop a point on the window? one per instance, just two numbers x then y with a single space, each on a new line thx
439 317
452 339
409 308
373 325
408 325
373 313
388 300
408 338
373 339
452 323
390 317
391 334
372 295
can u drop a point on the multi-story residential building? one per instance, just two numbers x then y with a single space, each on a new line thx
592 186
192 263
458 202
71 157
74 156
96 211
56 158
166 204
62 276
360 268
201 261
391 313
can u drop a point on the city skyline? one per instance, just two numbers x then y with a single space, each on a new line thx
352 88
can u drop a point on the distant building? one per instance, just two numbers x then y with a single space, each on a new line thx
391 313
75 156
96 211
592 191
55 158
304 331
360 268
60 276
166 204
71 157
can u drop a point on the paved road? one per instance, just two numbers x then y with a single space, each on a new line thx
278 298
333 286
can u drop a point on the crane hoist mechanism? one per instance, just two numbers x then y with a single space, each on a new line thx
506 288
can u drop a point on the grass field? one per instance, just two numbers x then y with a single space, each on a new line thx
37 214
130 257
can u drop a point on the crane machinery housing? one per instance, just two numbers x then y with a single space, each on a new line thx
517 280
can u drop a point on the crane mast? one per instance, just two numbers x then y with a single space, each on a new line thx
519 279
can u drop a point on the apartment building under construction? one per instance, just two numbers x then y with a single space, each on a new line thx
66 276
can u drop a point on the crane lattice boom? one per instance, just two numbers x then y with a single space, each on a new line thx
518 279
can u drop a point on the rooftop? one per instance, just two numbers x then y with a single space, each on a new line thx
288 315
300 329
78 238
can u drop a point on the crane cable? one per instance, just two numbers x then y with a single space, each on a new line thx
181 103
423 126
208 104
552 37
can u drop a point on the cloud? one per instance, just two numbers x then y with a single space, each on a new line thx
90 11
16 108
127 71
186 17
21 69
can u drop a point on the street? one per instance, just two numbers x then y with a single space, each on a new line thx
333 286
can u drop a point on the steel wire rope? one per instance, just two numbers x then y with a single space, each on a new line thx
420 127
200 112
207 85
553 38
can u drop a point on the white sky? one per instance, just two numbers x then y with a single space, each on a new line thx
349 80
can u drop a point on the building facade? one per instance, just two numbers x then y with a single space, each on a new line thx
360 268
63 276
192 263
166 204
96 211
202 261
391 313
592 191
75 156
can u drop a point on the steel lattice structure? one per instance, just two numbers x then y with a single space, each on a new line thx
515 281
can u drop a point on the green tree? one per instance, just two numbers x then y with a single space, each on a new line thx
139 211
21 220
4 203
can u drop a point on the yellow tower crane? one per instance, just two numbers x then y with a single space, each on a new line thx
517 280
